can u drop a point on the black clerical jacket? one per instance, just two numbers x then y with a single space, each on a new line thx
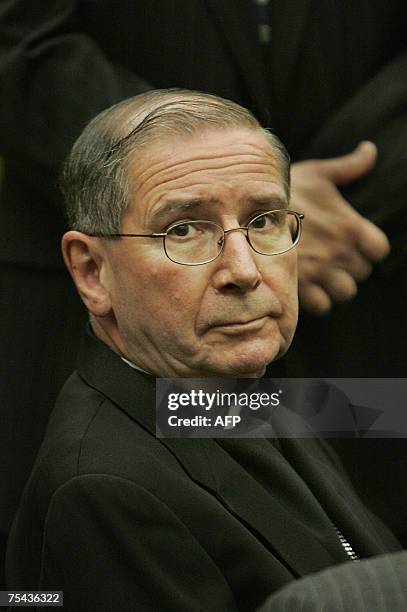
119 519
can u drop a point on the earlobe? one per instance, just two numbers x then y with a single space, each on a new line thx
84 259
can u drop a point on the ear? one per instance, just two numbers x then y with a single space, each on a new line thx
85 258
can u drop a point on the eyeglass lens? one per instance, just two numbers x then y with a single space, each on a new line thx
196 242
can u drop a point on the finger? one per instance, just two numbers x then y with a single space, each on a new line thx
360 269
372 242
348 168
355 264
339 285
313 299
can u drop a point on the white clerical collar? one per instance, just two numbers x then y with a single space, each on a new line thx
134 366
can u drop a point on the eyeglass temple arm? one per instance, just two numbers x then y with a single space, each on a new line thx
101 235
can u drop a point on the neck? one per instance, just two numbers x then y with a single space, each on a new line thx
104 330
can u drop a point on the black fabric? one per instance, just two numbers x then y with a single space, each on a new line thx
117 518
26 403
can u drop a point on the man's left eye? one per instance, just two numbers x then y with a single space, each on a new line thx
259 223
181 230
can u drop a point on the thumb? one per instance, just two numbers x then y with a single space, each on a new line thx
347 168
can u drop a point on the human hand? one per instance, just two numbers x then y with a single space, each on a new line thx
338 246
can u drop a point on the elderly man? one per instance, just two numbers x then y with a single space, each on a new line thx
182 248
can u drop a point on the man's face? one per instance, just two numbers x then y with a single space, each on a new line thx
229 317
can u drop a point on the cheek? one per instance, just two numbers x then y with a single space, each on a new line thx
290 301
290 292
282 278
176 292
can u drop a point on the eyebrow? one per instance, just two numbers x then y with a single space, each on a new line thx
182 206
185 206
274 201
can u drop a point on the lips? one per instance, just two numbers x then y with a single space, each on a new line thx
241 327
238 322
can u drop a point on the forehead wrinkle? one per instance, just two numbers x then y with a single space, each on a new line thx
217 169
169 164
157 180
155 191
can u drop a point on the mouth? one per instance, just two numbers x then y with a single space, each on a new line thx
241 327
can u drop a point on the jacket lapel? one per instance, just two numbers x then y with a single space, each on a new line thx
236 25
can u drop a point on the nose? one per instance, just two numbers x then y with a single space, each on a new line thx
237 267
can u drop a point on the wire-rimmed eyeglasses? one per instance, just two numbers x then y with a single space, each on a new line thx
194 243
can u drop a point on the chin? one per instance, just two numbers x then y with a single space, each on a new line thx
249 362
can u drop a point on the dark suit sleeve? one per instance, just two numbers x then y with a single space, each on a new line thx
53 79
110 544
377 111
373 585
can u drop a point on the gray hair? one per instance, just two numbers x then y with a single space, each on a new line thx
94 178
